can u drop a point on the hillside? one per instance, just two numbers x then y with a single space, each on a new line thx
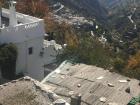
113 5
86 8
119 26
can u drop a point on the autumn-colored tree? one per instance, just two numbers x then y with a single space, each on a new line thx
50 23
65 34
134 61
33 7
2 2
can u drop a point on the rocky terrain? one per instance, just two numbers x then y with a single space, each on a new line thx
79 9
119 15
26 91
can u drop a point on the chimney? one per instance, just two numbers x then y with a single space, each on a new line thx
12 16
75 100
128 90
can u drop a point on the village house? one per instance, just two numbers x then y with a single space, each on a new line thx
27 33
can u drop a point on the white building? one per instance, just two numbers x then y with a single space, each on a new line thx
27 33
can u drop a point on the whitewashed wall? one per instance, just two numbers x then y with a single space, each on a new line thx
31 65
25 36
49 55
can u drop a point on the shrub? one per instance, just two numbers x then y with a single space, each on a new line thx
119 64
8 56
134 73
89 51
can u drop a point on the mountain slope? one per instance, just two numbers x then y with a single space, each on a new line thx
86 8
112 5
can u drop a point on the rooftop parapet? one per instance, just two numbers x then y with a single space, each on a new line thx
28 27
21 18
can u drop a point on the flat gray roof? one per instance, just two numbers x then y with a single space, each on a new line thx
26 91
93 83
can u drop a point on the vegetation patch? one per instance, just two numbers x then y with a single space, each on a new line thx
8 56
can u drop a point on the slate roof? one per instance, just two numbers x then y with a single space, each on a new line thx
26 91
93 83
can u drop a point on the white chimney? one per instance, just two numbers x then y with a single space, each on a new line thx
12 16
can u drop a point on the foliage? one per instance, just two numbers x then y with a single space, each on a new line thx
89 51
134 61
119 64
2 2
134 73
8 56
33 7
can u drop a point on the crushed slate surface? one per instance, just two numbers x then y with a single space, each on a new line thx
25 91
92 83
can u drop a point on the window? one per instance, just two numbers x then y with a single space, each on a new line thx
30 50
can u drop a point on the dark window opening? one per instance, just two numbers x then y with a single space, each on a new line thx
30 50
50 36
